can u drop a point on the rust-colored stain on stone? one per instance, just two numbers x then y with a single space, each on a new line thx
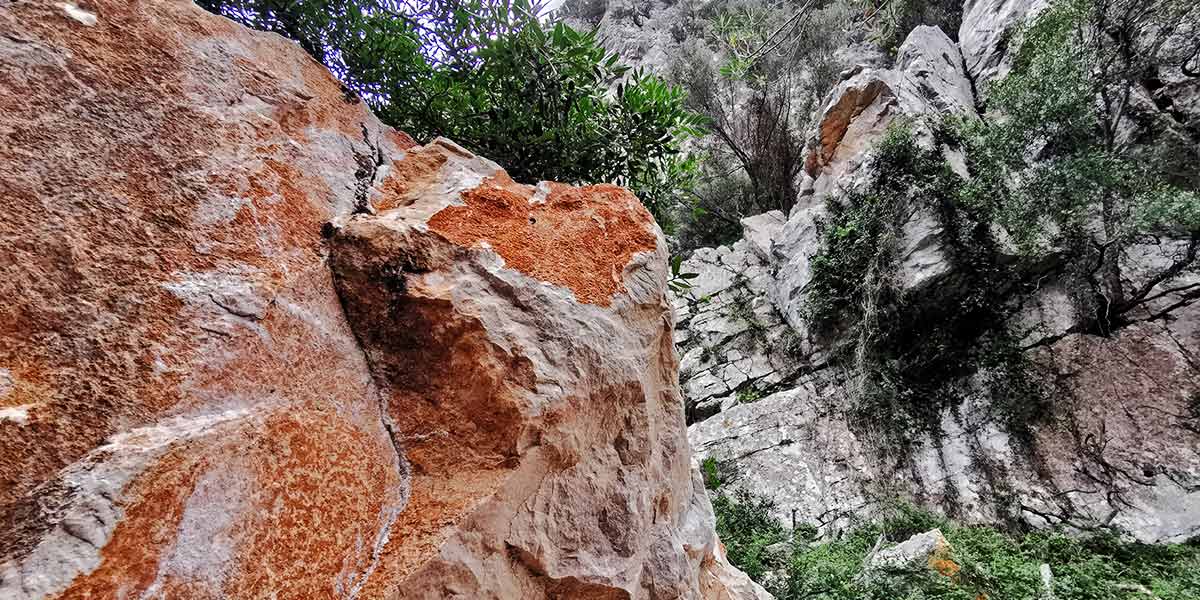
579 238
837 121
321 492
314 492
944 566
130 560
151 190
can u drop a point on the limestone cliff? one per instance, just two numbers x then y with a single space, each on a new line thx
1120 446
255 344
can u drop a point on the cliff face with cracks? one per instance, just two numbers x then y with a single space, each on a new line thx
256 344
1118 446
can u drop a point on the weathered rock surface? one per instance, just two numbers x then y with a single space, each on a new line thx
1121 446
522 341
927 550
255 344
644 34
733 345
987 37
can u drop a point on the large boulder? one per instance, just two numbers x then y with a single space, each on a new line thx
256 344
522 341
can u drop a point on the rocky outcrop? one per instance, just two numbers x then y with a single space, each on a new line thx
644 34
927 79
522 342
733 345
988 37
256 344
1117 447
1120 447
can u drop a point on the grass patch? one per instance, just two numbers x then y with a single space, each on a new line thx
988 563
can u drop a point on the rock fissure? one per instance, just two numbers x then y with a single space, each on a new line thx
369 164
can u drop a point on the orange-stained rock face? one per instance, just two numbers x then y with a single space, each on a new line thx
566 237
232 365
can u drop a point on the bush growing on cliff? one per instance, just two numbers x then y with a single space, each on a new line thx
906 351
1061 169
1052 185
746 527
490 74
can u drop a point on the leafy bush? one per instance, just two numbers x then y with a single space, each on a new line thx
746 527
532 96
1059 171
748 395
710 470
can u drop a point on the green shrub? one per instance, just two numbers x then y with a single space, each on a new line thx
746 527
1058 171
990 563
748 395
712 476
534 97
907 351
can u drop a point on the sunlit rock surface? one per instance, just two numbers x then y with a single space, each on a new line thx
256 344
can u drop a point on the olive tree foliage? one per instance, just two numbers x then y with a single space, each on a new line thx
1068 168
757 71
543 100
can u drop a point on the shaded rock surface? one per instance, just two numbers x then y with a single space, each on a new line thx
256 344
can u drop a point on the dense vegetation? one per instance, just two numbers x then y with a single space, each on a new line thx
1051 186
533 96
983 562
